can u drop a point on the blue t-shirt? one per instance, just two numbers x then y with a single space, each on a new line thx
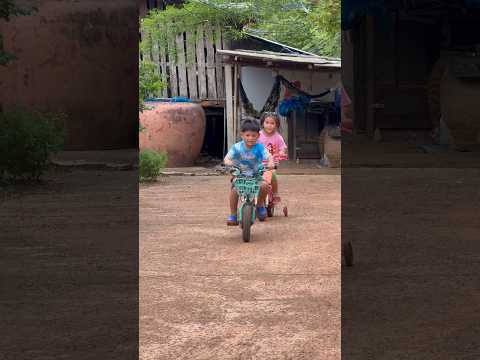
248 160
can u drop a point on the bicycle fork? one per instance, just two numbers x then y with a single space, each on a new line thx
246 202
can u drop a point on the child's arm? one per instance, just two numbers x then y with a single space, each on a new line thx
230 157
228 161
271 163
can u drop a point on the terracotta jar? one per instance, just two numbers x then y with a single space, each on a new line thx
176 128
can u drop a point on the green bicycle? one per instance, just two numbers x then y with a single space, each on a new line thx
248 189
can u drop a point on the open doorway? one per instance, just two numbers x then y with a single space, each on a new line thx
305 128
214 141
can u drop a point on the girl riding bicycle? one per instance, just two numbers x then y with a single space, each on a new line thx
273 141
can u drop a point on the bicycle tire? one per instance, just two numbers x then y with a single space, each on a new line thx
246 221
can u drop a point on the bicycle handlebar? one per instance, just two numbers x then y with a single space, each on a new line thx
235 171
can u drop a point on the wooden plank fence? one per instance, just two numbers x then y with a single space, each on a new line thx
189 65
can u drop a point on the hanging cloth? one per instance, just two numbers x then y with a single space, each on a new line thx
297 102
270 104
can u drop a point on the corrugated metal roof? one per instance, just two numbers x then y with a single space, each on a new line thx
251 33
314 60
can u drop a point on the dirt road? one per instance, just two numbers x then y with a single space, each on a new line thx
204 294
414 291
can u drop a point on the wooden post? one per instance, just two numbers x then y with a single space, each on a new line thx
163 65
202 78
219 64
182 70
191 65
235 101
229 106
156 61
294 135
212 82
370 70
172 53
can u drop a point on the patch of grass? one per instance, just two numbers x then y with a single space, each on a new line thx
151 164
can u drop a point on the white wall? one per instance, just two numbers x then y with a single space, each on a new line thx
257 83
314 82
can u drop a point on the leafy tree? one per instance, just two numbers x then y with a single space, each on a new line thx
306 24
315 28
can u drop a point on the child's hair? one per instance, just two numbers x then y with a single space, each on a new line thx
273 115
250 124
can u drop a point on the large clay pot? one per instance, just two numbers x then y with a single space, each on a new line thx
176 128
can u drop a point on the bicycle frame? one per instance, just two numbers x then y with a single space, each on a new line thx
248 189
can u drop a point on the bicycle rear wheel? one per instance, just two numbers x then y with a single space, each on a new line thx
246 221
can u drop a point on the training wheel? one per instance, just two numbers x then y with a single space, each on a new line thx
285 211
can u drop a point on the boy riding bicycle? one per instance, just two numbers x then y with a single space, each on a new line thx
248 156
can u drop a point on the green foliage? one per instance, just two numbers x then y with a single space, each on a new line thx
149 82
27 141
151 164
8 9
308 25
315 28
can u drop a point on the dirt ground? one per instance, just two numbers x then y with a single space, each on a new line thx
413 292
69 279
204 294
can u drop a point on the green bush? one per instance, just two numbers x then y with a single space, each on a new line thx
151 164
27 141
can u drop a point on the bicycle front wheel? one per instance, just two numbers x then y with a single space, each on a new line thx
246 221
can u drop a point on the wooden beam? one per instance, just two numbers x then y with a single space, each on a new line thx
229 126
213 103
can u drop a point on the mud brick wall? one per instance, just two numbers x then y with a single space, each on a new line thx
80 57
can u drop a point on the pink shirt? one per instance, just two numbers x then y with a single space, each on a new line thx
274 144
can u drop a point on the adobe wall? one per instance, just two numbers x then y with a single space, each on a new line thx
82 58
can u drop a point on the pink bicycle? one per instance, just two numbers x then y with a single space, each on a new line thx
270 201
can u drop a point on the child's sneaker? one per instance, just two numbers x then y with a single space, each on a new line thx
232 220
261 213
